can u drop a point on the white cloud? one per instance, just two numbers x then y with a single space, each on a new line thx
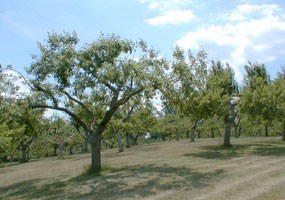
165 5
253 34
174 17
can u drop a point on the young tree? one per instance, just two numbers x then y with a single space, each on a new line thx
105 74
279 93
186 86
256 101
9 127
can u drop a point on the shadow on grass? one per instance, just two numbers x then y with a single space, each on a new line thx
239 150
31 190
220 152
129 182
270 150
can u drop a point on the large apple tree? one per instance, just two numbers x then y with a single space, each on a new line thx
102 75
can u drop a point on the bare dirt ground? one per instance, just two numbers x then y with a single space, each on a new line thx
254 168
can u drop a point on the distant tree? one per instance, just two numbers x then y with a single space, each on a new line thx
185 89
29 120
14 129
102 75
256 101
222 91
279 94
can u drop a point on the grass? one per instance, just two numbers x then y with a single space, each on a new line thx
253 168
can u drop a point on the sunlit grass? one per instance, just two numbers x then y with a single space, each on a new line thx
253 168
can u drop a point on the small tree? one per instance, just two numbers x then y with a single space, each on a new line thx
186 87
256 101
279 94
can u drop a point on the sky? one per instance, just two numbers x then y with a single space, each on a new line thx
235 31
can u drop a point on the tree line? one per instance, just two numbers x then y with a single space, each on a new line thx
107 90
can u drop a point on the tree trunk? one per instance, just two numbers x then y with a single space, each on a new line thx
28 153
119 141
70 150
95 142
192 134
284 131
199 133
236 131
266 131
212 133
55 149
24 154
177 134
128 143
134 139
227 134
61 150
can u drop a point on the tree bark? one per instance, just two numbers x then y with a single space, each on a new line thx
227 134
119 140
95 142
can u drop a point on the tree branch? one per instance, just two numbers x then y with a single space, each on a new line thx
41 89
73 115
83 106
108 85
128 114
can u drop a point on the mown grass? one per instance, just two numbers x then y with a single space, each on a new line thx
166 170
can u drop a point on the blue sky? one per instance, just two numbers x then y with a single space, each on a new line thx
233 31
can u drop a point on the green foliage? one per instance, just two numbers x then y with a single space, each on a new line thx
91 83
257 99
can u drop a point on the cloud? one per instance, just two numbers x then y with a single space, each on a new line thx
253 32
245 11
164 5
174 17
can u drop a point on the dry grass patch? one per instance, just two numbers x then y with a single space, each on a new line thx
252 169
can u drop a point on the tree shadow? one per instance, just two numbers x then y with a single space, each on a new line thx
220 152
134 181
269 150
238 150
31 190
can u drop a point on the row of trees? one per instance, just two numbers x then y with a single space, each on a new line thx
107 89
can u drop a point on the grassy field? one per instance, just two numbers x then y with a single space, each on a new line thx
253 169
